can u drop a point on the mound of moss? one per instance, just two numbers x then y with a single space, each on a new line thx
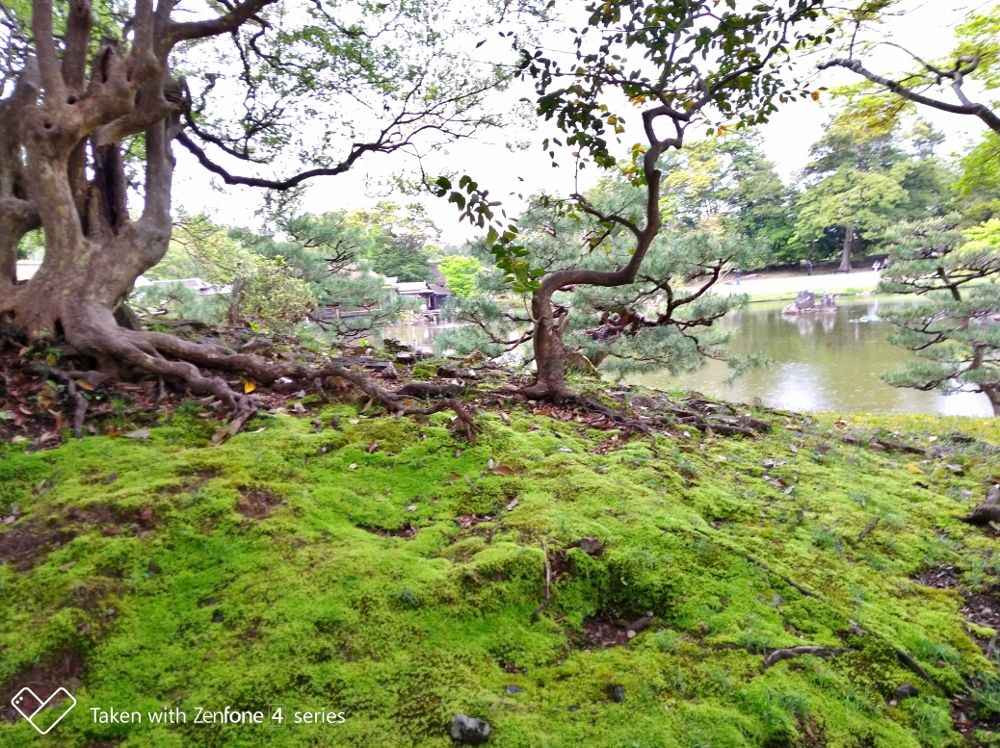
568 588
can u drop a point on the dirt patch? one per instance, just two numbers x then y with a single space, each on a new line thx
984 608
192 478
559 565
256 503
812 732
981 608
468 521
406 532
115 520
968 717
28 542
200 473
943 577
605 630
62 669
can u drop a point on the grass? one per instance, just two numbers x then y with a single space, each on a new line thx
265 572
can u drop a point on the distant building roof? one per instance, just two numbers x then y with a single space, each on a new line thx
421 288
412 287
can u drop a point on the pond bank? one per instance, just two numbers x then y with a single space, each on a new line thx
782 286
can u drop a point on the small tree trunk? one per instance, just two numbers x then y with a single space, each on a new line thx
550 375
845 257
993 394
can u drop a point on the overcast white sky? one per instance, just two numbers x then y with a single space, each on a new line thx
926 29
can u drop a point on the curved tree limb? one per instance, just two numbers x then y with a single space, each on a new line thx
966 106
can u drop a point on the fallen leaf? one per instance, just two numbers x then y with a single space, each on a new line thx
373 447
84 384
502 470
511 504
137 434
248 386
353 466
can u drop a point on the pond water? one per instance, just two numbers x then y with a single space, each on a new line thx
826 361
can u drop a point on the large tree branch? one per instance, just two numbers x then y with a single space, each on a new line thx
78 25
358 150
236 17
45 47
967 107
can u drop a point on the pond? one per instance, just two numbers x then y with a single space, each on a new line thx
826 361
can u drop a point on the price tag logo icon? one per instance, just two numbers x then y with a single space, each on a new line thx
38 712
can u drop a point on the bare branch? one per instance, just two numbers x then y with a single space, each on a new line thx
967 107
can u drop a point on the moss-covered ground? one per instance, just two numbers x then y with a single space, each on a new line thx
389 571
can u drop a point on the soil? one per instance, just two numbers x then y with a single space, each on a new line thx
256 503
63 669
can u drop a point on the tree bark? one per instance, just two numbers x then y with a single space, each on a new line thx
547 342
8 263
993 394
845 257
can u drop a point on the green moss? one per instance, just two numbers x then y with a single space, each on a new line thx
389 573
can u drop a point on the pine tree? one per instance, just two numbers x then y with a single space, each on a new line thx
955 327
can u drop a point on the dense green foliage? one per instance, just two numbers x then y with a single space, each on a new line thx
460 273
863 181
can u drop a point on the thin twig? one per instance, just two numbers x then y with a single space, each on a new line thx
548 585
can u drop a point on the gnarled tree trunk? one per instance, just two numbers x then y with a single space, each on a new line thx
62 169
549 350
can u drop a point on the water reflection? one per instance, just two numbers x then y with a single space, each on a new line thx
820 361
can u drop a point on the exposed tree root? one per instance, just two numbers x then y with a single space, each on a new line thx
785 654
198 365
989 511
631 423
869 528
68 378
886 444
431 389
542 392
